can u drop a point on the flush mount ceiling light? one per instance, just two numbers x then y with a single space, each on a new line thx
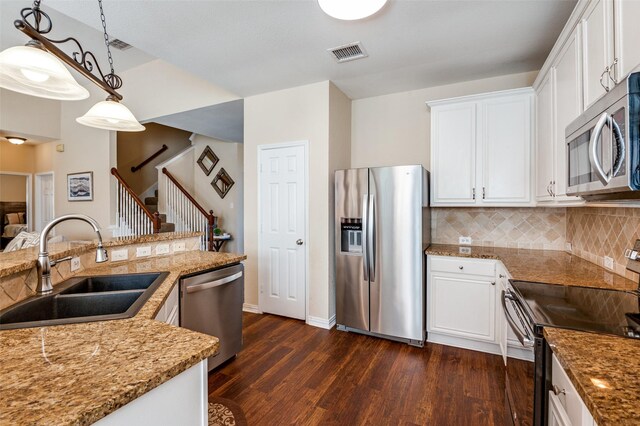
38 69
16 140
351 10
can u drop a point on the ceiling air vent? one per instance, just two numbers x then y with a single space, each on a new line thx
348 52
119 44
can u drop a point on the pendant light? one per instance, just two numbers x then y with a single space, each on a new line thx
351 10
31 70
111 115
38 69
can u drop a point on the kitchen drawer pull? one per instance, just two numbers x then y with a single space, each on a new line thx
461 267
557 390
216 283
502 276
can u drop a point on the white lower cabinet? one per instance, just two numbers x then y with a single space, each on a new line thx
169 312
461 303
464 306
566 408
180 401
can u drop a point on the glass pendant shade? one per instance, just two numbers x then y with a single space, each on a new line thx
350 10
111 115
36 72
16 140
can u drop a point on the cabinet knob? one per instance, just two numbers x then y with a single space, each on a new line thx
559 391
502 276
493 283
461 267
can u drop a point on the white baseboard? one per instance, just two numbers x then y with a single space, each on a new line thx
321 322
248 307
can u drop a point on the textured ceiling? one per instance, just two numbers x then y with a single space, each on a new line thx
251 47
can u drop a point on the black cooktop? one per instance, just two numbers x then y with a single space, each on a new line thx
581 308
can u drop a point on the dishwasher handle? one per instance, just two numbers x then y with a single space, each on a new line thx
211 284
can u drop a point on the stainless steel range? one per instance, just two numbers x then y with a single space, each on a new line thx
530 307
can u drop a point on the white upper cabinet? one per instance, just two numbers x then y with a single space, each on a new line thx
481 149
455 159
627 34
597 48
545 138
568 106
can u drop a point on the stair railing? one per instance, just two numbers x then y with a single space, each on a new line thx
186 213
133 218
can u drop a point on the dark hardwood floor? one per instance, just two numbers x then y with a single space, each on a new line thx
292 373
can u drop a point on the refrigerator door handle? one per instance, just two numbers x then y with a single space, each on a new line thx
371 238
365 239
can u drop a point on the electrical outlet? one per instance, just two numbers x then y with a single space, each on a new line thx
608 262
143 251
162 249
75 264
568 247
179 247
464 240
465 250
117 255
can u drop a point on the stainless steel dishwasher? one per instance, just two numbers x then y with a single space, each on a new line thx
211 303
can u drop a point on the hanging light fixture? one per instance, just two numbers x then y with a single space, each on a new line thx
16 140
38 69
351 10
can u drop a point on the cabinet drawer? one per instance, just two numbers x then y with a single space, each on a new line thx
464 266
568 397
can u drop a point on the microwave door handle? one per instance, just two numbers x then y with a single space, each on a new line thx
617 139
526 341
593 147
365 240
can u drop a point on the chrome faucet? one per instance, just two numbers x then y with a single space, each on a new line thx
44 264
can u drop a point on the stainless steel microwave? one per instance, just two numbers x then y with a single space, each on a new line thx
603 146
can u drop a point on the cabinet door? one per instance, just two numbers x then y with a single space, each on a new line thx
568 106
453 154
557 414
545 138
462 306
505 143
597 47
627 14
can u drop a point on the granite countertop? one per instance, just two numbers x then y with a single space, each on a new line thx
76 374
609 361
21 260
546 266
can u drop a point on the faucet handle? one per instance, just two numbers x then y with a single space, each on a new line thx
64 259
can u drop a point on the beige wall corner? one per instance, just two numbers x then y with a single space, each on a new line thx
393 129
297 114
339 158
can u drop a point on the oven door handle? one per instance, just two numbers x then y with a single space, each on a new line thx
524 338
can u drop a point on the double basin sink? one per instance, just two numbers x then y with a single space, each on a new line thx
84 299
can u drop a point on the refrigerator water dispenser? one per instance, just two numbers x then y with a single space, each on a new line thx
351 235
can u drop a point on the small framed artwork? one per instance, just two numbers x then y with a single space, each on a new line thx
208 161
222 183
80 186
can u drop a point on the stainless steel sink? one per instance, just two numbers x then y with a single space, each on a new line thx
84 299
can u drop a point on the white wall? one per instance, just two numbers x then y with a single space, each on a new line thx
394 129
28 116
297 114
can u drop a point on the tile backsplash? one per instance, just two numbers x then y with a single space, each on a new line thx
530 228
596 232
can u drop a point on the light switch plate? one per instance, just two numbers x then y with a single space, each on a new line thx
143 251
608 262
162 249
117 255
464 240
75 264
179 247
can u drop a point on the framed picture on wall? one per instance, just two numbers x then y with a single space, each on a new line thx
222 183
80 186
207 161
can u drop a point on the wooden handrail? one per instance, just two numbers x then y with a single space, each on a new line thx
155 217
148 160
211 218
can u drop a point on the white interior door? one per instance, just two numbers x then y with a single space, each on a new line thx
282 205
44 200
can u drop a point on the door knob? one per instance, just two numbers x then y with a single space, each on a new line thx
299 242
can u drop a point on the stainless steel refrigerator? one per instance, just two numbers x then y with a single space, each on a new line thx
382 228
